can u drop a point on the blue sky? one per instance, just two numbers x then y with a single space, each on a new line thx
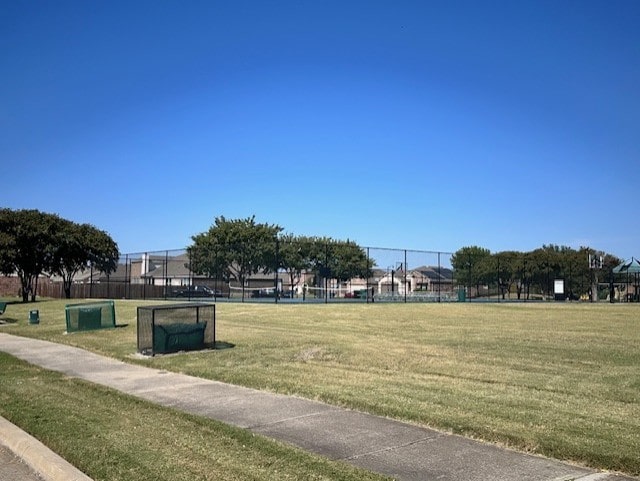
418 125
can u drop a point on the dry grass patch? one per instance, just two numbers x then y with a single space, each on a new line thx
557 379
114 437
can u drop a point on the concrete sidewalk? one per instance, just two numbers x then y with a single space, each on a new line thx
402 451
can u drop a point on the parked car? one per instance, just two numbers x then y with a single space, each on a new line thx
265 292
359 294
200 291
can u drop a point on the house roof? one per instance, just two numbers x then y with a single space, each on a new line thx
175 267
122 273
435 273
85 275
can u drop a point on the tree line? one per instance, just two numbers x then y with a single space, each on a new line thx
534 271
236 249
33 243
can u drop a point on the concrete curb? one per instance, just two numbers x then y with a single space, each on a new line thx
402 451
47 464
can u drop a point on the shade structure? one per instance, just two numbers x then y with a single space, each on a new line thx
631 269
628 267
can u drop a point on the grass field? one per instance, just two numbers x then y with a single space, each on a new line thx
562 380
114 437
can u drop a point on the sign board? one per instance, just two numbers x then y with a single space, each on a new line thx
558 286
558 289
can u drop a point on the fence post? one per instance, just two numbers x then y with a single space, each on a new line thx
404 277
367 296
166 274
440 278
190 278
144 280
326 276
276 293
499 280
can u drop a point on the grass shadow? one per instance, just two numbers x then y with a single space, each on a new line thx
8 320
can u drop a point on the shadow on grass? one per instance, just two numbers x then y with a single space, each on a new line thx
7 320
218 346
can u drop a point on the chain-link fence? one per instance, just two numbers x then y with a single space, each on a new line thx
412 275
295 273
550 273
338 272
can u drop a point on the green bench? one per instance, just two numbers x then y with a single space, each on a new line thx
178 337
89 318
176 327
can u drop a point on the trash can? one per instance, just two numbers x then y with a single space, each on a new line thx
34 316
462 294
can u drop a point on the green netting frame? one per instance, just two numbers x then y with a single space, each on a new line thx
176 327
90 315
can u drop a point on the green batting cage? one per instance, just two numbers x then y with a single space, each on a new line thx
176 327
90 316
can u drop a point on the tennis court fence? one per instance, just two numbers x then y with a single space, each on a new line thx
368 275
364 274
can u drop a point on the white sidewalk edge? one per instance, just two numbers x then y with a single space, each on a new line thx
40 458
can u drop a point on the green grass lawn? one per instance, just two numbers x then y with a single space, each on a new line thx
115 437
562 380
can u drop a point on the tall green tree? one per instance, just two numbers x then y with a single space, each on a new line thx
471 266
600 270
545 267
33 243
80 246
337 259
349 261
321 259
507 271
27 246
575 273
535 271
235 249
295 256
